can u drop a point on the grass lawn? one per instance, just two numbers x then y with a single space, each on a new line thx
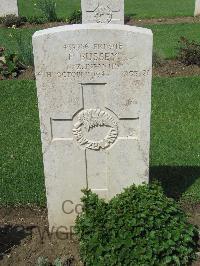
175 146
21 170
166 37
138 8
175 135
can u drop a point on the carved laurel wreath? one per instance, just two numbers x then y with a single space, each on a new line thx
91 118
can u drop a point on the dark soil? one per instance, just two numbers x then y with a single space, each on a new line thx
27 74
174 68
24 238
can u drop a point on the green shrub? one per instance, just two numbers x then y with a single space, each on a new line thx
189 52
140 226
10 65
12 20
37 20
75 17
48 8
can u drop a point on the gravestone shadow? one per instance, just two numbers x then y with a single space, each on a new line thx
175 180
11 236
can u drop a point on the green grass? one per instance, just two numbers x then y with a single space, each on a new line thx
138 9
159 8
176 123
166 37
175 146
21 174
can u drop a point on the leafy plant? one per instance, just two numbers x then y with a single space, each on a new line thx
12 20
37 20
42 261
48 8
140 226
75 17
25 49
10 64
189 52
58 262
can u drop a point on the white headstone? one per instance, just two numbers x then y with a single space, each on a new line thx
197 8
103 11
8 7
94 93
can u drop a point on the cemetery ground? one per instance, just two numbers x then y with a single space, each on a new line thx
175 146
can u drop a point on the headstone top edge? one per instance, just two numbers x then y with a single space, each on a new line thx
90 27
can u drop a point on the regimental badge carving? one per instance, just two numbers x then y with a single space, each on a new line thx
103 14
95 118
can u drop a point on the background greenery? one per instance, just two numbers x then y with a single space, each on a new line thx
166 37
138 9
175 146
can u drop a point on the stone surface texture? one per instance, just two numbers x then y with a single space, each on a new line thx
102 11
94 93
8 7
197 8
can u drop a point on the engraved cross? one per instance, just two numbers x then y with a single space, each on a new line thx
95 114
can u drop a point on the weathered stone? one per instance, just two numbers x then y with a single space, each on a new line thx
103 11
8 7
94 93
197 8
